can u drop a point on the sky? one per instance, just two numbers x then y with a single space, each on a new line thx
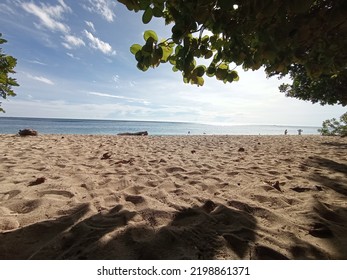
73 61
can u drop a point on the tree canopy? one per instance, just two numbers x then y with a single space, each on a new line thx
304 38
334 127
7 64
327 89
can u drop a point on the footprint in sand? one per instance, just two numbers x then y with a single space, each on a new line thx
266 253
24 206
273 172
56 194
7 220
116 217
8 195
8 223
175 169
135 199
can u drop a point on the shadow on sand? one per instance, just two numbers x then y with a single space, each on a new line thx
207 232
336 168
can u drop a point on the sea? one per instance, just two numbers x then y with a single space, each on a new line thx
11 125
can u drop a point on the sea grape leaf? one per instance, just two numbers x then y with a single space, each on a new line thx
150 34
167 51
147 49
144 4
200 70
235 75
147 15
135 48
157 12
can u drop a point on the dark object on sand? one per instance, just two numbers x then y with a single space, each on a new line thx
27 132
140 133
275 185
301 189
38 181
106 155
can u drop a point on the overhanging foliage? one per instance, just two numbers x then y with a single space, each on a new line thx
272 34
7 64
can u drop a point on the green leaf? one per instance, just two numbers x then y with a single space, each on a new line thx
12 82
205 39
139 56
229 78
135 48
177 32
172 60
221 74
200 70
209 54
142 66
157 55
195 80
157 12
147 15
189 63
200 81
167 51
144 4
197 53
147 49
236 77
131 5
211 70
223 66
150 34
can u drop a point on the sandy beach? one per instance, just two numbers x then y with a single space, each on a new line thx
173 197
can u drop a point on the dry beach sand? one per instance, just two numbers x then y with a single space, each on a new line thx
187 197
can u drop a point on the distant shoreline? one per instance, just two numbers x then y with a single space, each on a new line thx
11 125
159 121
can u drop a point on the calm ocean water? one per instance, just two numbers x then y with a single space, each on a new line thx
74 126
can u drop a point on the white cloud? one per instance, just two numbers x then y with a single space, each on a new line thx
41 79
72 42
65 7
36 62
115 78
102 7
50 16
129 99
54 109
91 25
72 56
97 44
6 9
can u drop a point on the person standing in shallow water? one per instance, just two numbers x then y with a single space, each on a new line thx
286 132
300 131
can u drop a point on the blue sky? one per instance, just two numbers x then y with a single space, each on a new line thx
74 62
